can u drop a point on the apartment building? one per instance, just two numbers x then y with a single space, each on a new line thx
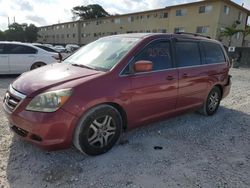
208 17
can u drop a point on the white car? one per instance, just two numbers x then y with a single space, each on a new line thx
17 57
72 47
59 48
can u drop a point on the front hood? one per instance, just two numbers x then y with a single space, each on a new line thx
50 76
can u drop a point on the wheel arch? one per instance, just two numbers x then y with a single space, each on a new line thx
36 63
220 88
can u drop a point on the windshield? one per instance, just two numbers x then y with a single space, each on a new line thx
102 54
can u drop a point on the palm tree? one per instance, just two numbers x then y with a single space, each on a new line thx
245 33
230 32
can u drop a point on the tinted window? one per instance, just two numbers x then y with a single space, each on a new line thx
187 54
46 48
158 53
20 49
213 53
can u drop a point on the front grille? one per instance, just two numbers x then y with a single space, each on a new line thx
13 98
11 101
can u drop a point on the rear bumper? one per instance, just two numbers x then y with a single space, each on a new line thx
227 87
49 131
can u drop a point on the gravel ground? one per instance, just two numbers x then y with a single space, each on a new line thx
197 151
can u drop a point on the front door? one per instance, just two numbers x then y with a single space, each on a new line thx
153 94
21 57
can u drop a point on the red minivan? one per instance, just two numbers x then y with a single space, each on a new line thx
114 84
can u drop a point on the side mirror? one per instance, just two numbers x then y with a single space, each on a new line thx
143 66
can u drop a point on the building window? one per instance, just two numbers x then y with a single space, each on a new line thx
62 26
237 36
202 29
163 15
205 9
117 21
226 9
68 35
162 31
68 25
74 35
181 12
130 19
57 27
179 29
240 17
148 16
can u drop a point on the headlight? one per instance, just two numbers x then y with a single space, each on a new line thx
49 101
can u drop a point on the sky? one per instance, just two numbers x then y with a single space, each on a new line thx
47 12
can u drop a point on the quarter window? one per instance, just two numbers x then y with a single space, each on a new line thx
158 53
188 54
213 53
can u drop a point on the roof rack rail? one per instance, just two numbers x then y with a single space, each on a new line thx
194 34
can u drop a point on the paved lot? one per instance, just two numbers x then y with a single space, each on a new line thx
197 151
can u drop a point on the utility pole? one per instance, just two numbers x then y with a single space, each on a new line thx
8 22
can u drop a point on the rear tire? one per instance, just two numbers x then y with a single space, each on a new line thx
98 130
37 65
212 102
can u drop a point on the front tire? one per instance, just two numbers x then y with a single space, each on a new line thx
212 102
98 130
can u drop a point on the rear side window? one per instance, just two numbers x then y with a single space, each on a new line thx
213 53
158 53
20 49
46 48
188 54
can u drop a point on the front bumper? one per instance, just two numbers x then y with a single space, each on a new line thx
49 131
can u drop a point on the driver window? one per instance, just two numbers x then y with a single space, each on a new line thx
158 53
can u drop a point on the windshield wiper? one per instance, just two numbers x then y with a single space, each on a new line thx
82 66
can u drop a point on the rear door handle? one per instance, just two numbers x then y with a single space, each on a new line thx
170 78
185 75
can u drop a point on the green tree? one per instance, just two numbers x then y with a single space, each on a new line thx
245 32
2 35
89 12
31 33
230 32
21 32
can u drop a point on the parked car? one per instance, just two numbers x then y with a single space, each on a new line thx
48 49
17 57
48 45
114 84
60 49
72 47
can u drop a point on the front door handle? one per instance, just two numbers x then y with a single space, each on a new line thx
170 78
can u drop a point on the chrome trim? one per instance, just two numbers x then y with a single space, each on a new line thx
16 93
201 65
19 96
